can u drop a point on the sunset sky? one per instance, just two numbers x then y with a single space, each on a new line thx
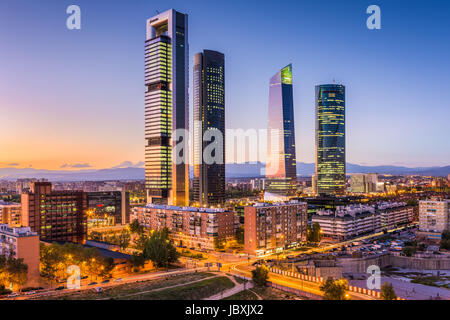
75 99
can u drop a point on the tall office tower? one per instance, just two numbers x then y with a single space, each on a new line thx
166 108
281 174
330 139
209 118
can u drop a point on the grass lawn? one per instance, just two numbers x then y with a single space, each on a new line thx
132 288
265 293
194 291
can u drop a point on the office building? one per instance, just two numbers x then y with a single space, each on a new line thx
21 243
272 228
209 128
434 217
330 139
108 208
281 171
167 109
191 227
55 215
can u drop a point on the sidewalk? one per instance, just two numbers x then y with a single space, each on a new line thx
238 287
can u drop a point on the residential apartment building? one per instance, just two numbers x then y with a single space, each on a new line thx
10 213
271 228
108 208
434 217
55 215
189 226
347 222
21 243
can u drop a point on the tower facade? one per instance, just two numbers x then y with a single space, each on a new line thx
209 118
281 172
330 139
167 109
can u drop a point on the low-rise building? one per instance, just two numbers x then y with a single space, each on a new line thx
21 243
347 222
189 226
271 228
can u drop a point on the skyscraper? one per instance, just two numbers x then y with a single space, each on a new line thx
166 108
330 139
281 174
209 115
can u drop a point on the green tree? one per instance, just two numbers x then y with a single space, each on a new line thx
136 227
123 240
218 244
315 233
160 250
240 235
137 261
17 271
412 202
409 251
96 236
387 292
260 275
335 289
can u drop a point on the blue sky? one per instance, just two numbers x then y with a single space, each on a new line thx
76 97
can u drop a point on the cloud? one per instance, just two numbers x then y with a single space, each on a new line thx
76 165
14 164
129 164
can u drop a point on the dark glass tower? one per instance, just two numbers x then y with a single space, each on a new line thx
330 139
166 107
209 114
281 174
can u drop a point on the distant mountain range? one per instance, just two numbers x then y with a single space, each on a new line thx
232 171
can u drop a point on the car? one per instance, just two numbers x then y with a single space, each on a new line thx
60 288
12 295
98 289
105 281
92 283
29 293
118 280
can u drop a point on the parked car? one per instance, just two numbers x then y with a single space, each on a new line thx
118 280
60 288
105 281
98 289
92 283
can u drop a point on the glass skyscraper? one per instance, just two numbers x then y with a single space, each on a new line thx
281 172
166 107
330 139
209 114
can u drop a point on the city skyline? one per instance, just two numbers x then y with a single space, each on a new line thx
375 112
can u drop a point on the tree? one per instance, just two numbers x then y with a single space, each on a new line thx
160 250
137 261
123 240
18 271
387 292
260 275
240 235
335 289
314 233
218 244
412 202
96 236
409 251
136 227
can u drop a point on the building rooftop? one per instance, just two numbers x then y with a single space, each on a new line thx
17 232
191 209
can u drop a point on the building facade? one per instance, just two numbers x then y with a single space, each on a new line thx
10 213
192 227
347 222
209 128
167 109
281 170
21 243
272 228
434 217
55 215
363 183
109 207
330 139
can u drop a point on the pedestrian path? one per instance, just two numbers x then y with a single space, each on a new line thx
238 287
